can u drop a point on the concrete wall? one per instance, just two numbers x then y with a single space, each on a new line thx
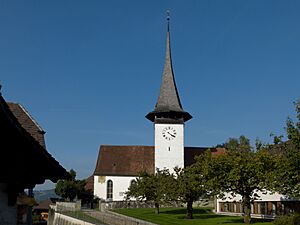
107 217
120 186
169 153
60 219
8 214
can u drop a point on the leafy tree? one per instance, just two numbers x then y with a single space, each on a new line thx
190 186
158 187
70 188
293 128
287 173
239 171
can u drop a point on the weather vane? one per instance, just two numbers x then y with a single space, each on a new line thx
168 19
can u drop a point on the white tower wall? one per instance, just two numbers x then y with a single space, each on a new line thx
169 153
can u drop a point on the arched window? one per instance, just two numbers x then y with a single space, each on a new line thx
109 190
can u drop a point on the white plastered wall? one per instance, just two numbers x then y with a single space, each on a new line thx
169 153
120 186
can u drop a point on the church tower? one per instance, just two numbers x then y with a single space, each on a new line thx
168 117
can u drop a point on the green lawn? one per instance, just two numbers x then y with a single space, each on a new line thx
176 216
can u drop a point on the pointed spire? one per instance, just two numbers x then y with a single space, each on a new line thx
168 106
168 20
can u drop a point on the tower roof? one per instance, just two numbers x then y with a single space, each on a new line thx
168 105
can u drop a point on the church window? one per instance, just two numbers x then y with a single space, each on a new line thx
109 191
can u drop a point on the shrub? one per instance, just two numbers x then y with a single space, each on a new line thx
291 219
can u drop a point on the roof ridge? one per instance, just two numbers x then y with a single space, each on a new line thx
103 145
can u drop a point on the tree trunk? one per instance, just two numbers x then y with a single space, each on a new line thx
189 210
156 208
247 209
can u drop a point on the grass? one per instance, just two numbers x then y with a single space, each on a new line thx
176 216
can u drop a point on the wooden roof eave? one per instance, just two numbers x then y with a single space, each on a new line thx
48 165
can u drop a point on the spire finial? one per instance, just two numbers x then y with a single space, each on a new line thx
168 19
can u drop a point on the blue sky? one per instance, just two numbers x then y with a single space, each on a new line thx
89 71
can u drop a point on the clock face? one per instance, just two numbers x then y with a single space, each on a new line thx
169 133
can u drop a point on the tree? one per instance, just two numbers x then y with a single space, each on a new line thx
190 186
239 171
158 187
293 129
287 173
71 187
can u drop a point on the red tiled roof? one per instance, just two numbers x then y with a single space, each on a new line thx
191 152
130 160
27 122
124 160
89 186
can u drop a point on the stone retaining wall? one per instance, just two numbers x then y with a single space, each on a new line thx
124 204
141 204
68 206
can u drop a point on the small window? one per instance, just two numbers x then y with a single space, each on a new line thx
109 191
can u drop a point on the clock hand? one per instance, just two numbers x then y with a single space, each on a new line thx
171 134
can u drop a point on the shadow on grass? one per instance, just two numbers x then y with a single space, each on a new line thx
233 221
197 213
183 211
201 217
241 220
202 214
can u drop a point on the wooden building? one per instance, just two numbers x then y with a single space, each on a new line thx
24 161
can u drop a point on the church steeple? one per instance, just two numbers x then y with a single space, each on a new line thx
168 107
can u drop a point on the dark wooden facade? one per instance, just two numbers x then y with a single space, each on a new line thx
263 208
24 161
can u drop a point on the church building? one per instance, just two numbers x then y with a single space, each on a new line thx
118 166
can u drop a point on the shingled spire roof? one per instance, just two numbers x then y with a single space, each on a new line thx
168 106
